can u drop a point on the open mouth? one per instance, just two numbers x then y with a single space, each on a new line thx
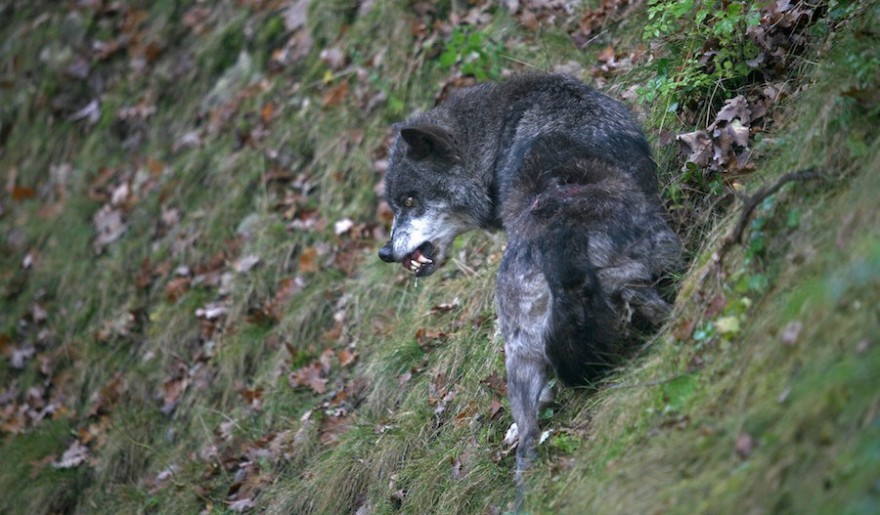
421 260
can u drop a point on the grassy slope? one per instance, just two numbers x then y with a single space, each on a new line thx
423 434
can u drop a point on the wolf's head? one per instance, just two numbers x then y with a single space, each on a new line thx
426 187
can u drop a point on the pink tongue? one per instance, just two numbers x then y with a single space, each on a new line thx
407 261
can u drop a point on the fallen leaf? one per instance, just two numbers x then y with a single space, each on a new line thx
296 15
404 378
496 383
461 466
91 113
744 445
727 325
342 226
20 193
75 455
246 263
791 332
697 146
212 311
267 112
429 338
310 376
737 107
335 95
242 505
444 307
21 355
172 390
334 57
346 357
683 329
464 417
332 427
495 407
715 306
108 395
253 396
108 225
308 260
606 55
176 287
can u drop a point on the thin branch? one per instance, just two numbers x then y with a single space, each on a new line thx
750 202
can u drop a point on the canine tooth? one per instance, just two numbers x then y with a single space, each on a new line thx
423 259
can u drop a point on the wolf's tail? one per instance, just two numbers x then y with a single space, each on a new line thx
567 192
582 336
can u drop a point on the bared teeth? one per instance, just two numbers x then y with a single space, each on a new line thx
415 261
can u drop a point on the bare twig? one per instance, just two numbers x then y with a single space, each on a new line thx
750 202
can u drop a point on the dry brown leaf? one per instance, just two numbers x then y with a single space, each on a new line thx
267 112
697 146
310 376
737 107
20 193
464 417
333 427
496 383
176 288
308 260
108 395
346 357
335 95
429 338
495 407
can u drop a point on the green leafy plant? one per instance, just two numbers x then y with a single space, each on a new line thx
709 42
475 53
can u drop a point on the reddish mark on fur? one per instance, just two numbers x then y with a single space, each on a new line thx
570 190
563 193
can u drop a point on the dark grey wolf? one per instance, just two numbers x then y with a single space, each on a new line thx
567 173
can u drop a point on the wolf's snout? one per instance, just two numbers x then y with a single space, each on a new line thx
386 254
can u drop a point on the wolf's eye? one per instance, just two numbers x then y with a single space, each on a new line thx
409 202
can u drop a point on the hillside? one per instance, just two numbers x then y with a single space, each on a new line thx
193 318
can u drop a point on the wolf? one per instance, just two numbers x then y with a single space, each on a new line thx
567 173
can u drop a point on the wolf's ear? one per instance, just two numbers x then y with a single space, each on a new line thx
429 140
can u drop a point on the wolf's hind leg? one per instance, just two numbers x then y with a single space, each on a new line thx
526 385
646 302
526 380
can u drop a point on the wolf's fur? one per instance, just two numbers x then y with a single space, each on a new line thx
568 174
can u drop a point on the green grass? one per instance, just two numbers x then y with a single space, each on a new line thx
424 426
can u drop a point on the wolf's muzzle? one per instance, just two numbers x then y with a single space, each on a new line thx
386 253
